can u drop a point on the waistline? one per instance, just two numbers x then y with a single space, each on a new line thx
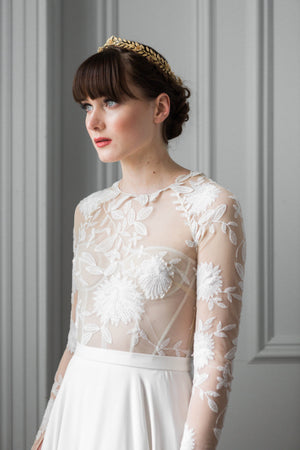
144 360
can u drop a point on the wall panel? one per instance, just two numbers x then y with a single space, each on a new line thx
24 261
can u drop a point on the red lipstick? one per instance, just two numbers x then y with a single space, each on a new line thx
102 141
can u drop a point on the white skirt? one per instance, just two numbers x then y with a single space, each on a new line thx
117 400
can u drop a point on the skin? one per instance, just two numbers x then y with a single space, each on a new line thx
135 129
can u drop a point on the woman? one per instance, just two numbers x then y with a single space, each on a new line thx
157 275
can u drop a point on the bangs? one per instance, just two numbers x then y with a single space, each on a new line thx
103 74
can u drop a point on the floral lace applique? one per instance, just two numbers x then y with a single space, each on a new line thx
156 275
53 394
188 439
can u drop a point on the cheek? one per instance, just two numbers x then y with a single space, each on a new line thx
134 124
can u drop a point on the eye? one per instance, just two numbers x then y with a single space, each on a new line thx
109 102
86 107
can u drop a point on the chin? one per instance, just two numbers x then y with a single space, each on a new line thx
107 159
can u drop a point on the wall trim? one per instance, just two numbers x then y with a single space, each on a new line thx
263 344
108 17
23 219
205 85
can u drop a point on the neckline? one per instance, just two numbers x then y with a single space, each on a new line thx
179 179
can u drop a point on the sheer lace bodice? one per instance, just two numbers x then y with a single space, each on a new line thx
162 273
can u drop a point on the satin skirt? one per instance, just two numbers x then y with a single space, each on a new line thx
117 400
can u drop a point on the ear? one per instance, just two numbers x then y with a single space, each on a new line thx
162 108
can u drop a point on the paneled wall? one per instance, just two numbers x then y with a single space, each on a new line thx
241 60
24 212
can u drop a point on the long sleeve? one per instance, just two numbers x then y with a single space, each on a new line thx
221 247
70 346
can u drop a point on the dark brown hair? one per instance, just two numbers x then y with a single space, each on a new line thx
106 74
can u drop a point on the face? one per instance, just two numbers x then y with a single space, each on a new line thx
120 130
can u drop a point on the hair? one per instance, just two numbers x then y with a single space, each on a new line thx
106 74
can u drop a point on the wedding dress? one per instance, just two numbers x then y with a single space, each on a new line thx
157 285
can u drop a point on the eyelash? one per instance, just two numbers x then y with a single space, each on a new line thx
85 106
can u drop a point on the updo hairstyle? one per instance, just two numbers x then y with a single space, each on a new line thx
106 74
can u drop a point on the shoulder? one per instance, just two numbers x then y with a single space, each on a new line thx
91 202
202 194
208 205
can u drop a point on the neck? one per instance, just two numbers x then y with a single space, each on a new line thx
149 172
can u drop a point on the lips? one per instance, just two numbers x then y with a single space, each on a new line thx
102 141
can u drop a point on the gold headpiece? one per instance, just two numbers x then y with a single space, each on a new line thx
143 50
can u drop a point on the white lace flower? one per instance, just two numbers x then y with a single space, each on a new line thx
204 195
188 439
209 281
118 299
156 277
203 349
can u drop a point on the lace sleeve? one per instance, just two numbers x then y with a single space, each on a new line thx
70 347
220 270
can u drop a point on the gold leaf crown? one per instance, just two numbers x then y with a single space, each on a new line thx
143 50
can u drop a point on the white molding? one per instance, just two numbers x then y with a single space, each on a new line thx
205 82
263 344
23 219
108 17
5 236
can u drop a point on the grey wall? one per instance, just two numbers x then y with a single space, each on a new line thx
241 60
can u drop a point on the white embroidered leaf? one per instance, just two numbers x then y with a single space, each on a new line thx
91 327
178 344
144 213
217 433
127 206
191 243
142 199
105 245
143 334
140 228
106 335
230 289
184 177
220 334
86 338
201 378
210 320
237 296
94 270
165 343
213 393
182 189
154 196
232 237
219 212
212 404
117 214
88 259
221 304
212 229
244 251
131 216
110 269
229 327
230 355
239 269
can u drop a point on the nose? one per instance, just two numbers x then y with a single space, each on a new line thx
95 120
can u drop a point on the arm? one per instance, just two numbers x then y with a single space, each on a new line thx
220 269
69 351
